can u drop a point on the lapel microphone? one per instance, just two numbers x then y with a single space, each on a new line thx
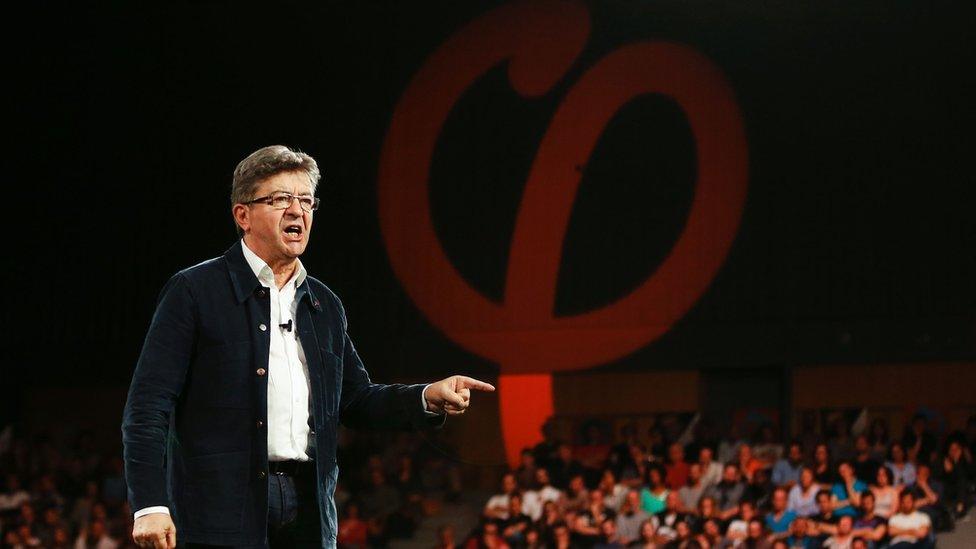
286 325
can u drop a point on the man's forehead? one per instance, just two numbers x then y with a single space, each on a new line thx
292 182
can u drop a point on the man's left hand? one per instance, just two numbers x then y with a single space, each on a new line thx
453 395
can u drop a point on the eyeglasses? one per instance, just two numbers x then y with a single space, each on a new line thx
280 200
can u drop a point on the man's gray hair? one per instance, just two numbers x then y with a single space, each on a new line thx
266 162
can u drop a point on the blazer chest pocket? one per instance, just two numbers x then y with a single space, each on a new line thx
332 377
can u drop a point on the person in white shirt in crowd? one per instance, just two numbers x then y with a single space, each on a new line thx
691 493
534 500
885 495
902 470
711 470
497 505
843 537
613 492
803 495
909 528
786 472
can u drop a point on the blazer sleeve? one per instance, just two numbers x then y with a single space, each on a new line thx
156 384
367 405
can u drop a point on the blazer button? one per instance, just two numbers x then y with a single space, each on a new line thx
311 432
261 474
261 371
262 327
261 293
260 424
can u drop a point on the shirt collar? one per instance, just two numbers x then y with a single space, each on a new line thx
264 273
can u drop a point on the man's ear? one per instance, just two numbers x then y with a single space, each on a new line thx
242 216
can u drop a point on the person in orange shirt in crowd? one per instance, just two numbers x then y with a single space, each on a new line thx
676 469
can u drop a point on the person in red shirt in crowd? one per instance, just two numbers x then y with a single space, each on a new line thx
676 468
352 528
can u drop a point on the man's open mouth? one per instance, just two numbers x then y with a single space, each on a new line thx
294 229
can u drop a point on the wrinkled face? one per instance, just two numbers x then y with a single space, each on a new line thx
277 235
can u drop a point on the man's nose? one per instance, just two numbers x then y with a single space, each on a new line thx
295 208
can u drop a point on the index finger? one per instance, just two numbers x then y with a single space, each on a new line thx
472 383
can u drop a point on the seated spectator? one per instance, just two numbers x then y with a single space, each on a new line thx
728 492
859 543
802 535
779 518
825 521
95 536
542 492
564 467
841 444
683 537
613 492
577 496
514 527
748 463
489 538
902 470
21 536
561 536
690 493
759 490
756 538
609 539
823 469
865 466
918 441
803 495
497 505
526 471
928 499
869 525
14 495
634 470
533 540
81 510
676 469
592 454
786 472
767 449
352 528
656 492
712 533
668 519
909 528
878 439
847 492
648 536
51 521
842 538
630 518
707 510
739 525
885 495
551 516
711 470
956 478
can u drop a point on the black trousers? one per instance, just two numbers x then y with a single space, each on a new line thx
293 513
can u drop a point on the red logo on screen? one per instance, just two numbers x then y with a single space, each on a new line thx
539 41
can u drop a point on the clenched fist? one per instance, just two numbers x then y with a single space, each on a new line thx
453 395
155 530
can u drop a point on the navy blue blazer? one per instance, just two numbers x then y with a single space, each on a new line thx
194 428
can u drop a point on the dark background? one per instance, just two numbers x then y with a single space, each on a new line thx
857 243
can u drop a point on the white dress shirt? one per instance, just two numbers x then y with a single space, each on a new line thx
288 383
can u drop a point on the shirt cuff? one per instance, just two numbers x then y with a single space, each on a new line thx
423 402
148 510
